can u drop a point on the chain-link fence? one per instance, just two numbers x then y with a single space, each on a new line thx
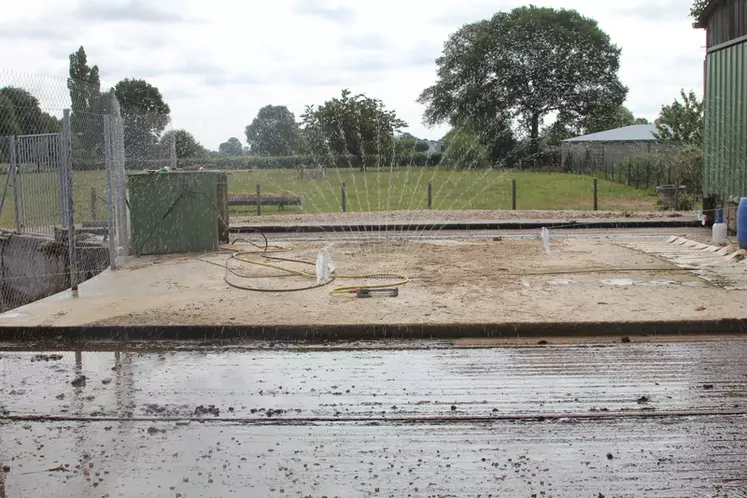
64 148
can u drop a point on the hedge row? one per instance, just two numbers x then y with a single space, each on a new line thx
292 162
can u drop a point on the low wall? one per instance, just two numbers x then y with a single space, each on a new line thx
33 267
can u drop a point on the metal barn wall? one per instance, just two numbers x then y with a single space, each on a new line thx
727 22
725 140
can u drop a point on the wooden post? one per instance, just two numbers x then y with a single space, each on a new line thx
259 201
344 198
94 214
676 193
596 194
430 194
513 195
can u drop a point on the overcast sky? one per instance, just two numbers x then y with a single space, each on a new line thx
217 62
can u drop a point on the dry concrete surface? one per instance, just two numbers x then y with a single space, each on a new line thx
483 282
425 419
426 215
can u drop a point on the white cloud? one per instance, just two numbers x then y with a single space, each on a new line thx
218 62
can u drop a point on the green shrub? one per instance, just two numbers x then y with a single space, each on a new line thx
292 162
464 151
645 170
688 169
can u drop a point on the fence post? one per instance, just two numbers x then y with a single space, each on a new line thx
67 169
259 201
14 167
344 198
596 194
172 152
94 214
513 194
109 164
628 182
430 194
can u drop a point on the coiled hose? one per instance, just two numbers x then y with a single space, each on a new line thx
264 251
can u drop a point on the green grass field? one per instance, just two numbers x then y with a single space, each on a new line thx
401 189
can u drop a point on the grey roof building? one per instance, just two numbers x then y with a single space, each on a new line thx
634 133
603 152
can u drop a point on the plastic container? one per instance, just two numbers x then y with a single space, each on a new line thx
742 223
720 231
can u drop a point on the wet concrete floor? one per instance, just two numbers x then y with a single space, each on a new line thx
563 419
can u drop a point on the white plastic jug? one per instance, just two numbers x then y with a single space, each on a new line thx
720 233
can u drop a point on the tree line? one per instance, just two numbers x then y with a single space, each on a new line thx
510 87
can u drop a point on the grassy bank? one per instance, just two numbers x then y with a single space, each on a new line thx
401 189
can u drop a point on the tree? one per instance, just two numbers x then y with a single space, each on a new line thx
464 150
185 144
231 147
526 64
274 132
88 104
23 108
145 115
698 7
84 83
353 125
681 123
604 119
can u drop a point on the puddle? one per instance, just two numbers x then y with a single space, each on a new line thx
693 284
13 314
619 282
660 283
561 282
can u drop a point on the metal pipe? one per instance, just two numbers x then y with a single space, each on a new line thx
67 168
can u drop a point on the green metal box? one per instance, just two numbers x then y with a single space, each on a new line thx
174 212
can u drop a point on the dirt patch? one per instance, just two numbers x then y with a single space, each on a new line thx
509 281
466 215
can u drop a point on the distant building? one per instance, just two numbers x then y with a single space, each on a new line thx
435 147
725 98
604 151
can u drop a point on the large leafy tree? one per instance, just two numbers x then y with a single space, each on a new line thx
88 105
352 125
681 123
231 147
274 132
21 113
184 142
145 115
84 83
525 64
609 119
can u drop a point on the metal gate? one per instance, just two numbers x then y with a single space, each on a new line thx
36 169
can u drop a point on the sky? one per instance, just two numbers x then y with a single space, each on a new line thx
218 62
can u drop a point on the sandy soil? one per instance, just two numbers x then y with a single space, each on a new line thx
507 281
466 215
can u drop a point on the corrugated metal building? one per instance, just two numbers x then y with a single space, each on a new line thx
604 151
725 96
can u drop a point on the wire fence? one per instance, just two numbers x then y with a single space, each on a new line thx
64 147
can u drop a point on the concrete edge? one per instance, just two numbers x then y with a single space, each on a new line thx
467 225
350 332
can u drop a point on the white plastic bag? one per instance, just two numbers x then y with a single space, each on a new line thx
545 236
324 266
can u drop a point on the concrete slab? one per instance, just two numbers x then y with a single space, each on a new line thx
664 418
477 282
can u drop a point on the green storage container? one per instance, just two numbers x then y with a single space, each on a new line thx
174 212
